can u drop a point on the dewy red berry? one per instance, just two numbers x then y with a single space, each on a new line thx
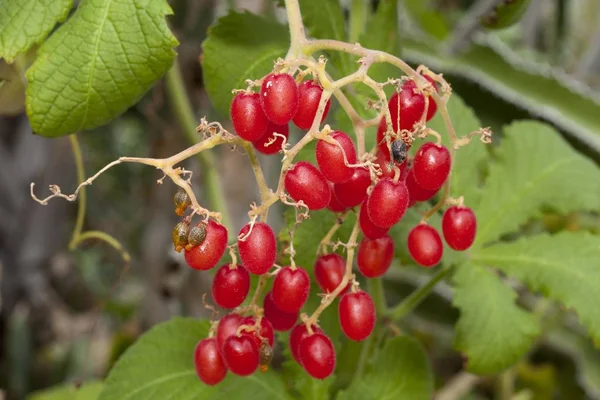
208 253
269 143
298 334
291 287
227 327
330 157
459 226
317 355
281 320
265 332
387 203
241 355
416 192
248 118
431 166
335 204
409 106
309 96
208 362
425 245
354 191
279 98
305 182
357 315
230 286
374 256
368 228
258 249
329 272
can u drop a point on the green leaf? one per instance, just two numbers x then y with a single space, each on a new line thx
87 391
160 365
25 23
537 88
302 383
324 19
492 331
240 46
563 267
535 168
430 21
99 63
400 371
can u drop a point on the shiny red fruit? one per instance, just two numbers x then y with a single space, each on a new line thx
368 228
265 332
309 96
329 272
291 287
279 98
357 315
354 191
208 253
269 143
330 157
230 286
374 256
258 249
281 320
387 202
248 118
317 355
425 245
227 327
431 166
416 192
335 204
305 182
241 355
208 362
459 226
298 334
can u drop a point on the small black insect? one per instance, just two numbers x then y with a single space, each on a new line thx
399 151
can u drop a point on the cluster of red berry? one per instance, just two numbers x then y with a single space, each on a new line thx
383 190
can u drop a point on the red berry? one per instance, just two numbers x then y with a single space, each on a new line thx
330 157
309 96
248 118
388 202
297 335
374 256
208 253
259 249
227 327
265 332
279 97
416 192
354 191
241 355
281 320
334 204
209 364
230 286
329 272
425 245
291 287
357 315
459 226
409 106
262 144
305 182
431 166
317 355
368 228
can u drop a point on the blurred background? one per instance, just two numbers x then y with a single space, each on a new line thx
67 315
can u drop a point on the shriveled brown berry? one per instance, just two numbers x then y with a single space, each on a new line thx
196 236
180 235
265 353
182 202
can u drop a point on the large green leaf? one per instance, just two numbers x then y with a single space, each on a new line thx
563 267
400 371
160 365
25 23
492 331
87 391
240 46
324 19
535 168
537 88
99 63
